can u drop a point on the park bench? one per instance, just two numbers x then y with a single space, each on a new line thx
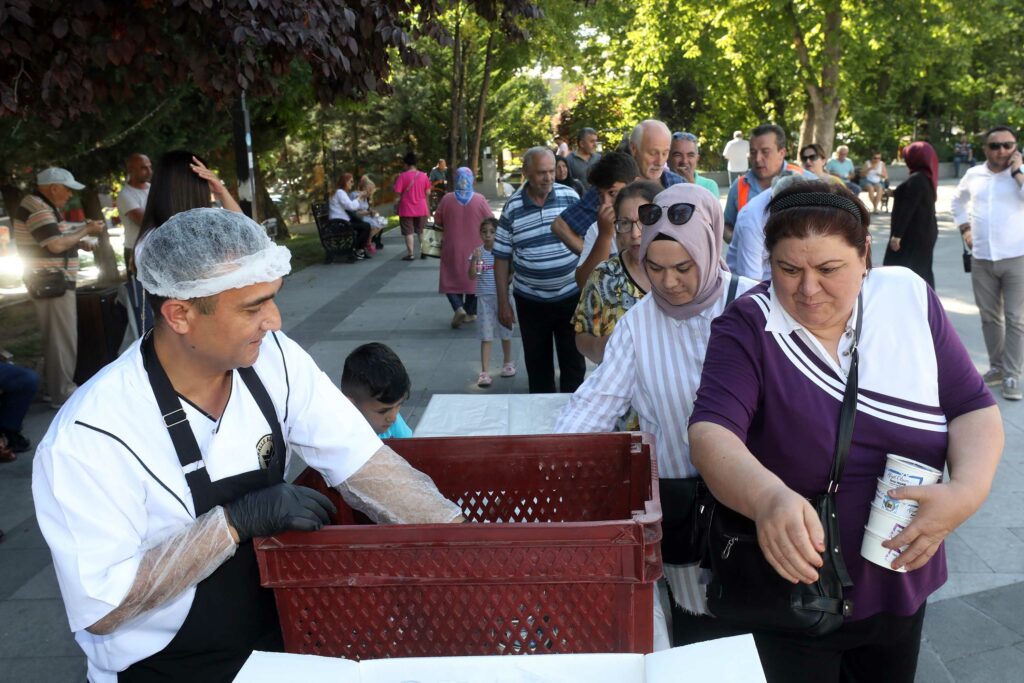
337 237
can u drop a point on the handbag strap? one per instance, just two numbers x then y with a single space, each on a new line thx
849 410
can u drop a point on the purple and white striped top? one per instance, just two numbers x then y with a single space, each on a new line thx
768 381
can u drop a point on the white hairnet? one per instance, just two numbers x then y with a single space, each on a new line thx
202 252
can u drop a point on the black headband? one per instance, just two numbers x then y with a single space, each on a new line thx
831 200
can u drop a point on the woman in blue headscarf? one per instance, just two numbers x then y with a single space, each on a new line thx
459 215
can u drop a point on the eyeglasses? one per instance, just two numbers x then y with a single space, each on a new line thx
809 157
994 146
678 214
624 225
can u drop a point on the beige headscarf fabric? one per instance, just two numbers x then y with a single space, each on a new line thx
702 238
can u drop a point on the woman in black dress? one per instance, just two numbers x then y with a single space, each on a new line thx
914 229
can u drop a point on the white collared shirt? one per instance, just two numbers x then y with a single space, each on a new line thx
779 320
107 483
993 204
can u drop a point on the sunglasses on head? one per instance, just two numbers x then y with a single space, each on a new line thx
809 157
678 214
994 146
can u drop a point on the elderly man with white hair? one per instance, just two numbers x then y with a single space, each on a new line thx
156 475
650 144
48 246
842 167
546 293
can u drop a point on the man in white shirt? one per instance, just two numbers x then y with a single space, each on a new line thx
153 479
989 210
737 154
131 200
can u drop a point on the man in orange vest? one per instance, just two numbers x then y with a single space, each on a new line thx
767 162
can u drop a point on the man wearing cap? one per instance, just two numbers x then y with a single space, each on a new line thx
153 479
44 242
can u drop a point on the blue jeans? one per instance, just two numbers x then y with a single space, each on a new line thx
957 160
18 386
466 302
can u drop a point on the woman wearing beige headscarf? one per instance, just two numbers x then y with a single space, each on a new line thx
653 362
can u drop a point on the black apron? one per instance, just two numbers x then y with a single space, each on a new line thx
231 614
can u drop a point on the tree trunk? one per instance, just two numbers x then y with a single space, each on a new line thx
103 253
11 196
453 137
474 157
266 207
821 85
808 127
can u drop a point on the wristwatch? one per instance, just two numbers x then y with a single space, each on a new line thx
1017 172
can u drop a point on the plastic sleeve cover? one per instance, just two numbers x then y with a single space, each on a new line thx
172 566
388 490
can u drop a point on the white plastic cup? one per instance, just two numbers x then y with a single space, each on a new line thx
906 509
885 524
900 471
872 550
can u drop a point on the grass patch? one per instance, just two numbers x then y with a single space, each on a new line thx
307 250
20 334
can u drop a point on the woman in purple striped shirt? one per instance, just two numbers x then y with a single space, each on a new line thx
764 426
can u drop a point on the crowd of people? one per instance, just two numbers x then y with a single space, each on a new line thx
729 333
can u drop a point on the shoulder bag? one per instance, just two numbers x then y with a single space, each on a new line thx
746 590
48 283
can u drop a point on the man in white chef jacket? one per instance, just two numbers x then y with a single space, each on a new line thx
155 476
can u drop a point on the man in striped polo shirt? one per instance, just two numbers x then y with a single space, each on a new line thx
545 288
44 240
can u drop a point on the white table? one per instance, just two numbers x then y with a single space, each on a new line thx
490 415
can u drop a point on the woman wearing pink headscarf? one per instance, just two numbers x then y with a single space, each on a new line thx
652 363
914 228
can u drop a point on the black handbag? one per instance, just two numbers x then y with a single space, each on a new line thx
966 255
682 501
746 590
48 283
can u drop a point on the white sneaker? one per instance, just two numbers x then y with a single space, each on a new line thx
1011 389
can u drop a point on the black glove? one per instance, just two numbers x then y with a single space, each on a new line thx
278 508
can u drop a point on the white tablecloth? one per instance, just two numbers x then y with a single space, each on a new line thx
490 415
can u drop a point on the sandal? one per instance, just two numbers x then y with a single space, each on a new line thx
408 257
508 370
484 380
7 455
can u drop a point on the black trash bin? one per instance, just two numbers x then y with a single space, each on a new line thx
101 325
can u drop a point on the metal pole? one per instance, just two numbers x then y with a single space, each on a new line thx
244 160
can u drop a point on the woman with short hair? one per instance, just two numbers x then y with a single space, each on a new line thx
764 428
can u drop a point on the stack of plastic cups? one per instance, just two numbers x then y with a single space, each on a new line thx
890 516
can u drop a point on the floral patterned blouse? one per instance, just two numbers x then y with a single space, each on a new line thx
606 297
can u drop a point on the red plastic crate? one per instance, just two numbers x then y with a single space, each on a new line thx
571 568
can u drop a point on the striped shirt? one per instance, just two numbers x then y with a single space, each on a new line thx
544 267
652 362
37 222
485 278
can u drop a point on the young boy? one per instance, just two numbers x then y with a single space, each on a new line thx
481 268
376 382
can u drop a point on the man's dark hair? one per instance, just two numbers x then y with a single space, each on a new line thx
765 128
613 167
583 132
647 189
374 371
204 304
1000 129
410 158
